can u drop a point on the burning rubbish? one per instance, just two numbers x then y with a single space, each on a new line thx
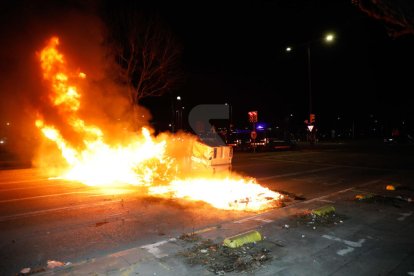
228 194
50 265
86 153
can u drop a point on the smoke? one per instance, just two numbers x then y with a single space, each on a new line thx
26 27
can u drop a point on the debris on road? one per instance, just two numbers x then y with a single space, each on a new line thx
288 196
395 201
31 271
51 264
190 237
242 239
314 220
364 196
25 270
221 259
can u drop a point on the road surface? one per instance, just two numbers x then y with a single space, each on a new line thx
48 219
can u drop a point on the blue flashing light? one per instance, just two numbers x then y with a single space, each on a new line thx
260 127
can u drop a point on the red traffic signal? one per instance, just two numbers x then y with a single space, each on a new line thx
312 118
252 116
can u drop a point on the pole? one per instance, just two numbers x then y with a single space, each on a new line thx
309 80
311 134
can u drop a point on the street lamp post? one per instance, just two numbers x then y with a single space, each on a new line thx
179 112
309 78
329 38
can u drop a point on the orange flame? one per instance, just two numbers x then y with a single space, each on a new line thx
227 194
97 163
143 161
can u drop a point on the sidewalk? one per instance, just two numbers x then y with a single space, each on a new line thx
373 238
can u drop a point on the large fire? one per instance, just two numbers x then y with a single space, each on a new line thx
141 161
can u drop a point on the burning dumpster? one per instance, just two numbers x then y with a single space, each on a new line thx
211 157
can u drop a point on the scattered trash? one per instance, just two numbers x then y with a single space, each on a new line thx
31 271
290 196
52 264
241 239
286 226
364 196
25 270
221 259
310 219
190 237
395 201
303 236
324 210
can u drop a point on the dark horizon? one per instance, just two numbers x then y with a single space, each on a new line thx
235 53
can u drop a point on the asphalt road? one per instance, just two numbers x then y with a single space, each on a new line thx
42 219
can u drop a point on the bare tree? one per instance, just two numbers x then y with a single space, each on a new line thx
397 14
145 51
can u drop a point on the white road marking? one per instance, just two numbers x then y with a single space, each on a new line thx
244 220
345 251
326 196
264 220
404 216
330 165
154 250
351 245
325 200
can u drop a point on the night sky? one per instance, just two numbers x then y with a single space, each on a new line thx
234 52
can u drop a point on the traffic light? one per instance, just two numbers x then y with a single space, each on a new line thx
312 118
252 116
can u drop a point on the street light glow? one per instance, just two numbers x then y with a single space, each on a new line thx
288 49
329 37
178 98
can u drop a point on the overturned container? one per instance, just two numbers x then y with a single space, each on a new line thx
211 157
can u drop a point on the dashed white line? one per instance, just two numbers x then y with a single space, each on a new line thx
351 245
345 251
404 216
154 249
295 173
